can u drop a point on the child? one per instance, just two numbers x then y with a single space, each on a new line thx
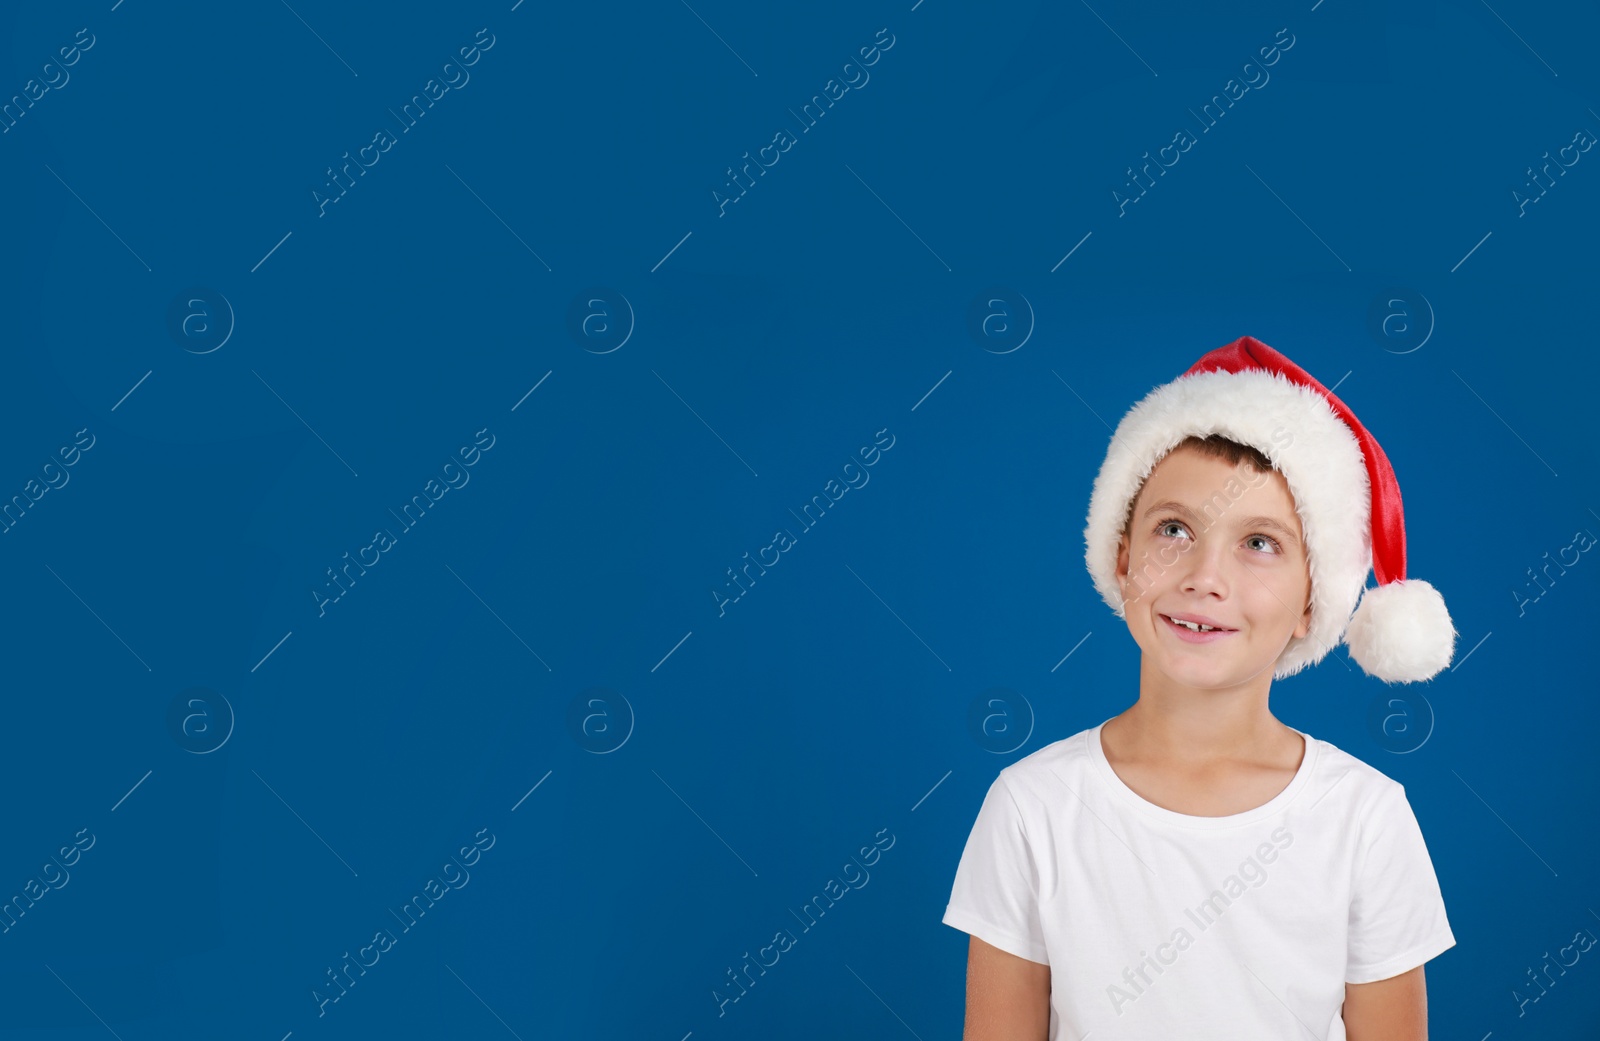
1193 868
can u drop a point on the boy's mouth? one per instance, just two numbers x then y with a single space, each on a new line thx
1194 632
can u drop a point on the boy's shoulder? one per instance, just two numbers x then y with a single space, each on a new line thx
1044 769
1366 783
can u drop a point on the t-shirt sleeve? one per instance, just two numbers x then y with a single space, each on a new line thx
996 892
1397 915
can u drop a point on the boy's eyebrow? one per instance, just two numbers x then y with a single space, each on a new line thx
1173 506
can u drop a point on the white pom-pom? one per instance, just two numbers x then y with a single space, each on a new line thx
1401 632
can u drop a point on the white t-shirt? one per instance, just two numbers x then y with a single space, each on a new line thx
1158 925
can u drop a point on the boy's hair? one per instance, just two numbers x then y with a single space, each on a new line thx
1214 446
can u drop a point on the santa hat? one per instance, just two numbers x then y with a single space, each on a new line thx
1344 490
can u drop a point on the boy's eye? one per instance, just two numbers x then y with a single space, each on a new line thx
1271 544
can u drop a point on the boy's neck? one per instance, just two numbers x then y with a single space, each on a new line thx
1198 729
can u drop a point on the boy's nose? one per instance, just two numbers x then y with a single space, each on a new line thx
1204 571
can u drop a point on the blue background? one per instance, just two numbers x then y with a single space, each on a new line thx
543 655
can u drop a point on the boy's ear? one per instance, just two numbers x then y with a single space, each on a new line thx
1122 558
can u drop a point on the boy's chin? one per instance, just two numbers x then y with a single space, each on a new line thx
1220 674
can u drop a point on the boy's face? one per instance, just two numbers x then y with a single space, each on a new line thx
1217 560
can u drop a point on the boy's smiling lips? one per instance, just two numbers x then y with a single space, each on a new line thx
1188 635
1197 618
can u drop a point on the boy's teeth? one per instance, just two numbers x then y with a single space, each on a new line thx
1196 626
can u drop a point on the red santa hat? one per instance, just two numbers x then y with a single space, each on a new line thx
1344 491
